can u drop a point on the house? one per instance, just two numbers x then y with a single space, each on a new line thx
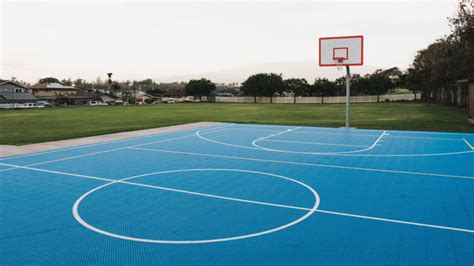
51 91
146 98
12 93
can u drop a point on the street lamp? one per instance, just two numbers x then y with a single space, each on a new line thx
110 82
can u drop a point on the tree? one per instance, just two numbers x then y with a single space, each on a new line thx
298 87
323 87
358 84
48 80
379 83
201 87
263 84
340 86
115 87
410 80
67 82
436 69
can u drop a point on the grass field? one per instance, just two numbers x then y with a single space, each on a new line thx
31 126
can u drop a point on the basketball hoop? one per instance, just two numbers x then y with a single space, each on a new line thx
339 62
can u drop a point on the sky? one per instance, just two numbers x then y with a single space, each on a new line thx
159 40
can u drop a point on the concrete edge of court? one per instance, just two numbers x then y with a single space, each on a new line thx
11 150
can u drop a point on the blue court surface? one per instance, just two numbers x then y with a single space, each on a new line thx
244 194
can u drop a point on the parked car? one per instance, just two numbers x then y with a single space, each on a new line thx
45 104
169 101
27 105
95 103
190 99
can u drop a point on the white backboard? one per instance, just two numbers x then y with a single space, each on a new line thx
342 51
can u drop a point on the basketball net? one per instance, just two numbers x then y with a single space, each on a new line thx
339 63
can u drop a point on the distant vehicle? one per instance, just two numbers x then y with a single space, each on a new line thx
140 103
190 99
169 101
45 104
28 106
95 103
156 102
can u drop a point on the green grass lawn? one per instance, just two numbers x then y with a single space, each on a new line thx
30 126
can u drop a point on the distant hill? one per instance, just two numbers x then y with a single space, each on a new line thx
295 69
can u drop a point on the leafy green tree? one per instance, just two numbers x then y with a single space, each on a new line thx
379 83
48 80
200 87
67 82
358 85
298 87
340 88
263 84
411 80
115 87
436 69
323 87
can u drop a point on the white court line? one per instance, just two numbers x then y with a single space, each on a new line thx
118 149
337 134
109 142
75 211
468 144
307 132
428 138
275 134
246 201
396 221
123 181
305 164
254 143
343 154
350 134
313 143
95 153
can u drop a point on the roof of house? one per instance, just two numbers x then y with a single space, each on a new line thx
18 96
57 86
14 83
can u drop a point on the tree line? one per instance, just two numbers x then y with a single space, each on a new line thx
433 74
271 84
437 68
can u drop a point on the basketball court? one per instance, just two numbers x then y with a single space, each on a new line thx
244 194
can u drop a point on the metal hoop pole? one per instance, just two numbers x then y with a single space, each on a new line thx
348 96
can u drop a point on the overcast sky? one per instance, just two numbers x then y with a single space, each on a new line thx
137 40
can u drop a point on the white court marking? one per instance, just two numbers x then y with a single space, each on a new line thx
118 149
202 241
110 142
346 154
314 143
254 143
305 164
270 204
468 144
331 131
